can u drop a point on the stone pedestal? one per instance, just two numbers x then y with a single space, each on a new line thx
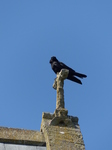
61 132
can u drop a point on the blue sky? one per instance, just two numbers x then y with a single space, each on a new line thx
79 33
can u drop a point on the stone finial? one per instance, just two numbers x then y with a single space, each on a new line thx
58 85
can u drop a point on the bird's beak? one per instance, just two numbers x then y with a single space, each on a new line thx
50 61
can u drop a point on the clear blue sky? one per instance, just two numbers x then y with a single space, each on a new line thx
77 32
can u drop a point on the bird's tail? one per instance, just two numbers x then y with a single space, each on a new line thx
72 78
80 75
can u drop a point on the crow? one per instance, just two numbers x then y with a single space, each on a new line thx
57 66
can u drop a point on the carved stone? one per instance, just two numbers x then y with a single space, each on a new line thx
58 85
61 112
60 130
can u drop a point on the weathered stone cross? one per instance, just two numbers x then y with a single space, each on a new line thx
58 85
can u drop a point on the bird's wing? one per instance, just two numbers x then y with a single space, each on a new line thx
71 71
72 78
80 75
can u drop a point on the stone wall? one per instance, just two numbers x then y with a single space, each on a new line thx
20 136
58 132
62 132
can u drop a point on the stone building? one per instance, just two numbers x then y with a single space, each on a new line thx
58 131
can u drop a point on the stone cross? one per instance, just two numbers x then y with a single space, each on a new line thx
58 85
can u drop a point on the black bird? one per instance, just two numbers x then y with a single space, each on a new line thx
57 66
